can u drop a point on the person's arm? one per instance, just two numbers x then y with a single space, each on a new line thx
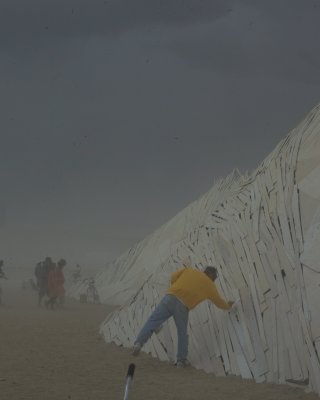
176 275
218 300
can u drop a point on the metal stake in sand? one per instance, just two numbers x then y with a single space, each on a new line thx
129 380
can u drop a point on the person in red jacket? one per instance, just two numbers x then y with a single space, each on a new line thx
56 284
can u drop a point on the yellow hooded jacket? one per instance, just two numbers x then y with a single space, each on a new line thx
192 286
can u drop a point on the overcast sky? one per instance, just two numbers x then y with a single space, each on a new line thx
116 114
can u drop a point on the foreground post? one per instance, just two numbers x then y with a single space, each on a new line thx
128 380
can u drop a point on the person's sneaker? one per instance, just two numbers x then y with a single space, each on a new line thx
183 364
136 349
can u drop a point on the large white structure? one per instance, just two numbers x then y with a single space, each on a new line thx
262 231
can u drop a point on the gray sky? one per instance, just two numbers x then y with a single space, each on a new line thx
116 114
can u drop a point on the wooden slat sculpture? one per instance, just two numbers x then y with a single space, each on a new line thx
263 233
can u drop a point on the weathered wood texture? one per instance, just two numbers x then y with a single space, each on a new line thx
262 232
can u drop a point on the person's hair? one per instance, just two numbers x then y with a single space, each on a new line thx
211 271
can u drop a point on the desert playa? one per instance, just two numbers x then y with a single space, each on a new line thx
55 355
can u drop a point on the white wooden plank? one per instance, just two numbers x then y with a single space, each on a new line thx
256 305
223 345
297 217
260 360
238 343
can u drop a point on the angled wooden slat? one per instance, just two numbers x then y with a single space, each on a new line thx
237 340
314 367
257 309
261 367
297 218
213 331
222 344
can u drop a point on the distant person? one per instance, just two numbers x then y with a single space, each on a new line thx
41 273
2 276
189 287
52 286
37 273
76 275
60 282
92 294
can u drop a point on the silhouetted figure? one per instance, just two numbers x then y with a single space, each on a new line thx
52 286
2 276
41 272
189 287
76 274
37 273
92 294
60 282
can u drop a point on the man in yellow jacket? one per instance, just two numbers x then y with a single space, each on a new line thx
189 287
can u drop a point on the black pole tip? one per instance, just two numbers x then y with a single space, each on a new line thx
131 370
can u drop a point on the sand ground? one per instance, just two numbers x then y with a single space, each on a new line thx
55 355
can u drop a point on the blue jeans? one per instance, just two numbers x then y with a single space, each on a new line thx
168 307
